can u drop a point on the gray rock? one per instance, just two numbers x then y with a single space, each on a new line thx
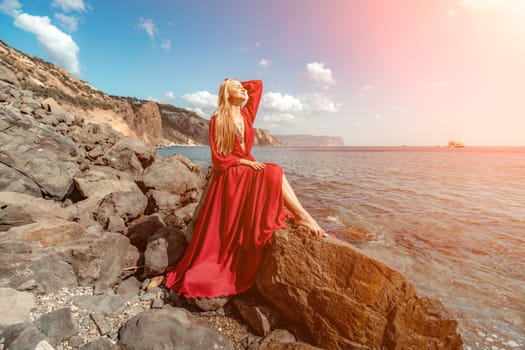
157 303
39 153
116 224
100 344
260 318
123 160
169 174
185 213
128 205
15 307
129 289
110 305
99 181
171 328
211 304
22 336
133 311
13 180
101 323
140 230
165 248
56 325
18 209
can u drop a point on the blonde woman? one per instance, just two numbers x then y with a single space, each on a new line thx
244 204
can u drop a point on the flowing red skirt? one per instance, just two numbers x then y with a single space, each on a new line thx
242 209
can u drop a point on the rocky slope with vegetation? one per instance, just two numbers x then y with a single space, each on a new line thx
154 123
90 218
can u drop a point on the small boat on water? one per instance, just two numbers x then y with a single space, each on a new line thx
455 144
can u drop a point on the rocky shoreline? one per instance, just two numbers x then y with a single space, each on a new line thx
90 219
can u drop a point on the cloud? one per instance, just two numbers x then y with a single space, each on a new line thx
319 75
149 27
317 103
276 102
169 95
201 102
276 118
11 8
264 62
250 47
69 5
70 23
166 45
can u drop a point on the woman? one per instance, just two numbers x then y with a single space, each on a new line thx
243 204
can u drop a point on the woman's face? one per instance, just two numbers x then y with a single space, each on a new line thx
236 91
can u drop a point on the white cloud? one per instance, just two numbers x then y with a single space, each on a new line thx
201 102
69 5
149 27
275 101
276 118
166 45
70 23
316 103
264 62
169 95
319 75
11 8
60 46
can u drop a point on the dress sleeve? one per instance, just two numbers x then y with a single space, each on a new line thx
220 162
254 88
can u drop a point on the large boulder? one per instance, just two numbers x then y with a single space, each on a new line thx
38 154
170 328
98 181
19 209
127 205
347 300
124 148
170 175
165 248
148 123
53 254
15 306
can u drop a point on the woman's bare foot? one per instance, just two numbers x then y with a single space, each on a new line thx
308 222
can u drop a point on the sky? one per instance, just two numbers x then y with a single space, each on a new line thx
375 72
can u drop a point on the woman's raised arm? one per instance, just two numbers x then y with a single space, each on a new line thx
254 88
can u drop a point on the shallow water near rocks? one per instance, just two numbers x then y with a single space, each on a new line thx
451 220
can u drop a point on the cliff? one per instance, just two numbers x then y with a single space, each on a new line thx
310 141
154 123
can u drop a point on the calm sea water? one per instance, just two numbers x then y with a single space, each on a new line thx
451 220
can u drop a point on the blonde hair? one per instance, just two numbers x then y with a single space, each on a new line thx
224 126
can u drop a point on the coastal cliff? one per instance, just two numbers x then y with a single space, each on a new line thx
154 123
91 216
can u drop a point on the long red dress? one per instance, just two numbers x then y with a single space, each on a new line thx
242 209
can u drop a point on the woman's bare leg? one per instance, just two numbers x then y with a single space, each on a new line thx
302 218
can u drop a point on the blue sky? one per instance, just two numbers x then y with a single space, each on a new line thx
408 72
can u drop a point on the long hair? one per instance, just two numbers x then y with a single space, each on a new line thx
224 126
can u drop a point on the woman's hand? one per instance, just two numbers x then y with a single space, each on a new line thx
252 164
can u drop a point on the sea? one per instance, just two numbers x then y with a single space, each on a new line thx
451 220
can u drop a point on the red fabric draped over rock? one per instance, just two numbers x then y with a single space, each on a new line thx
242 209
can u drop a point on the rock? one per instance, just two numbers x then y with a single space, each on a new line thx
292 346
170 328
211 304
38 153
140 230
56 325
53 328
157 303
148 123
44 345
260 318
15 307
13 180
50 105
155 282
19 209
170 175
133 311
165 248
57 254
305 277
99 181
8 76
107 304
101 323
143 152
100 344
129 289
279 336
123 160
116 224
128 205
186 213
